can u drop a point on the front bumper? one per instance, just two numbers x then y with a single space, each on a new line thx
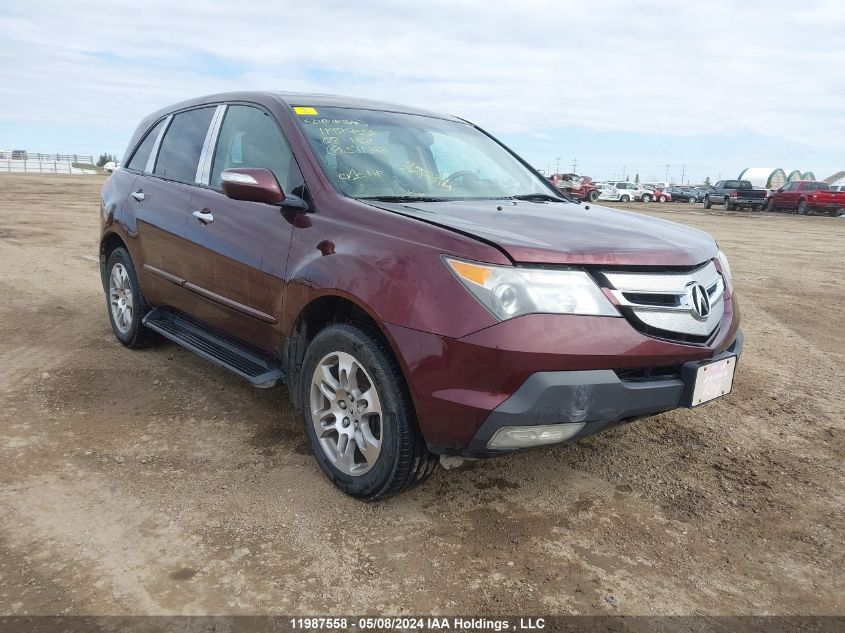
456 384
592 400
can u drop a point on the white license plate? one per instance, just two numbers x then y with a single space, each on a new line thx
713 380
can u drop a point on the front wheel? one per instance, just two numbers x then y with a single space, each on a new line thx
593 196
707 203
662 199
835 213
646 197
802 208
692 200
359 416
770 206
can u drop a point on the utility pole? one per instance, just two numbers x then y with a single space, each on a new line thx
683 173
557 166
667 171
574 165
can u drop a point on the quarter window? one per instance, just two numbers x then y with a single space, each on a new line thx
182 145
250 138
142 154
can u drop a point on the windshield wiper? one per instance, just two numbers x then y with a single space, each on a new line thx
534 197
404 199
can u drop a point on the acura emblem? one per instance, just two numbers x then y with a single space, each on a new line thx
699 301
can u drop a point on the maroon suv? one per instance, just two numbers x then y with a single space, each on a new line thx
419 288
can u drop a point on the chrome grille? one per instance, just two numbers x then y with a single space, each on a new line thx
664 301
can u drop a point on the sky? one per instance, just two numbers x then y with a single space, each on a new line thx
625 88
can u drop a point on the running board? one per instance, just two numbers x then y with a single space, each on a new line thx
219 349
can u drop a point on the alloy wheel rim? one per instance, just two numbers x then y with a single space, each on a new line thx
346 413
120 298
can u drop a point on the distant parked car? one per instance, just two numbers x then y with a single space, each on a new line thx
806 197
735 194
578 187
682 195
609 192
109 167
19 154
632 191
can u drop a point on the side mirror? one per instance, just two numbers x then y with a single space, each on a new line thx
252 184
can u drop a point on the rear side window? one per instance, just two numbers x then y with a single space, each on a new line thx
250 138
182 145
142 154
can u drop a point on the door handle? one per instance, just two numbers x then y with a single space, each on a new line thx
203 216
138 195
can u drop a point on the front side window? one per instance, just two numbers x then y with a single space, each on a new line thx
374 153
181 147
250 138
142 154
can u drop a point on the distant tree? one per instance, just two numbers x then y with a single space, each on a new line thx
105 158
707 182
637 178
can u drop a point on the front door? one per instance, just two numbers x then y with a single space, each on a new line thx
237 251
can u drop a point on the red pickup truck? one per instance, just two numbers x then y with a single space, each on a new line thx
807 197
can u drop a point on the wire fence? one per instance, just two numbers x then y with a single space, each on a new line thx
23 162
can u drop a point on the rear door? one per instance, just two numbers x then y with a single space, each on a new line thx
160 197
238 251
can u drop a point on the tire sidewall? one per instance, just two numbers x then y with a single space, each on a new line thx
354 341
121 256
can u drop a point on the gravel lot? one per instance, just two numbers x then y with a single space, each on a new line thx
152 482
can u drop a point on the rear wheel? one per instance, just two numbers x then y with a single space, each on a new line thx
835 213
707 203
126 304
692 200
625 199
359 416
662 199
728 205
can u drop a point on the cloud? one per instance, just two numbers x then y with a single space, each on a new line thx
678 69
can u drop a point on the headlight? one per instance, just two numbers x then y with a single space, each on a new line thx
726 269
508 291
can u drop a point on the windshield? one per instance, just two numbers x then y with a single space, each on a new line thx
378 154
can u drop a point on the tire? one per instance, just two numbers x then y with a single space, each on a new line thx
802 208
707 203
646 197
770 206
692 200
662 199
125 303
835 213
728 205
625 199
593 196
401 460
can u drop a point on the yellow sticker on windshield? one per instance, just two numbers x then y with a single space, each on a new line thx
304 110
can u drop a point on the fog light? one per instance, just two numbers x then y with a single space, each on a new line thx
525 436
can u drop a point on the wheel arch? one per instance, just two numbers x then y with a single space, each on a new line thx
331 306
108 243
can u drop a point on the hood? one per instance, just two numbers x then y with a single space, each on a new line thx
566 233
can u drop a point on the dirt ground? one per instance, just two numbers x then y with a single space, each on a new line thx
152 482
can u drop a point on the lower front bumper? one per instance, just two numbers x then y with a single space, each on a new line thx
596 399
